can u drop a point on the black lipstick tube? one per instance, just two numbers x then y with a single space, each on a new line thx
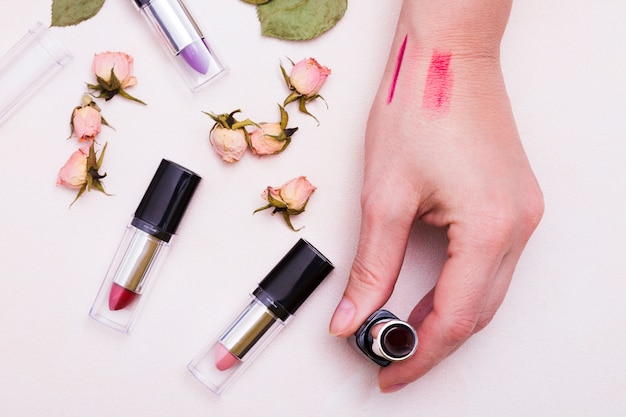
384 338
144 245
271 305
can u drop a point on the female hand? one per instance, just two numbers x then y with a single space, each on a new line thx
442 148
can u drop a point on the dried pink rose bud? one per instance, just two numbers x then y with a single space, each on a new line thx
308 76
81 171
289 199
107 65
228 137
86 122
229 144
74 173
114 74
272 138
305 81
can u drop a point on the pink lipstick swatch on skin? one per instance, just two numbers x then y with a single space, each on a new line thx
397 72
439 81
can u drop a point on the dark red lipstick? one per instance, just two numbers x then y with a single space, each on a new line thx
147 237
120 297
384 338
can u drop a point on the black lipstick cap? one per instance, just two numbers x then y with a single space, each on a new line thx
293 279
163 205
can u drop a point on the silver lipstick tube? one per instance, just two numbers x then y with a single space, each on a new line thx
138 261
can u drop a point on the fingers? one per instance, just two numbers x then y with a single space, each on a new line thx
380 253
422 309
471 287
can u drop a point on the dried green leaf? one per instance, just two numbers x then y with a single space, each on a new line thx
298 20
72 12
256 1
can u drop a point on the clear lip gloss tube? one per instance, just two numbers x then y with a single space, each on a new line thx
185 44
28 65
271 305
384 338
143 245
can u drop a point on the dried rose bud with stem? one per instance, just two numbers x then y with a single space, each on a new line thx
272 138
305 80
81 171
86 120
114 74
228 136
290 199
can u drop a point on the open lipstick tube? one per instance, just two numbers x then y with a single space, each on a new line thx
184 42
143 246
28 65
271 305
385 339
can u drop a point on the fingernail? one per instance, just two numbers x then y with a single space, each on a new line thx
392 388
343 317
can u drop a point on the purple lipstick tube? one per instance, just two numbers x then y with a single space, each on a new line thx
185 44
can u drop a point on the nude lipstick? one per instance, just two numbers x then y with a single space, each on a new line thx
143 246
384 338
271 305
185 43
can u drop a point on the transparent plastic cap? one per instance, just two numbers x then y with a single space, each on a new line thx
28 65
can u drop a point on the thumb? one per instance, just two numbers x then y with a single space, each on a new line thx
380 252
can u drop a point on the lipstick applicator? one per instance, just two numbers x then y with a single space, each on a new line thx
185 43
384 338
272 304
143 245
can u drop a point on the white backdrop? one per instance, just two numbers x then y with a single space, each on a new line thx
556 347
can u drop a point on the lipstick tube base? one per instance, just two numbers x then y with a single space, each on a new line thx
122 293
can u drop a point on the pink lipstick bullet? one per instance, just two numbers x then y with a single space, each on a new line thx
272 303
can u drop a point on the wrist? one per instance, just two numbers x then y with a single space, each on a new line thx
469 28
445 53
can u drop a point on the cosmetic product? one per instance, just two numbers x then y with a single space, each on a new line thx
192 56
143 246
28 65
272 303
385 339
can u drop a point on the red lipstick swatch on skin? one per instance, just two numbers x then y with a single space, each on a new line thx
397 72
438 90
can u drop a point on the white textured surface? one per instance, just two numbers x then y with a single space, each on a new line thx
556 348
